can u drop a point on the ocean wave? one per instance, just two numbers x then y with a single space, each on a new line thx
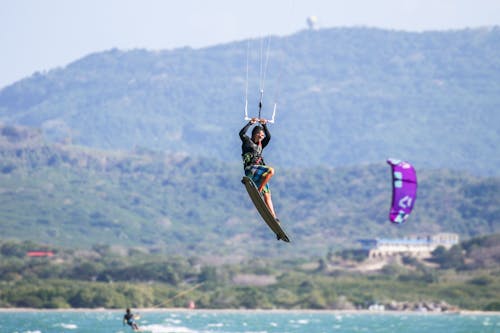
67 326
166 329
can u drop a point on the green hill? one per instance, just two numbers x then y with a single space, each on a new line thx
72 196
346 96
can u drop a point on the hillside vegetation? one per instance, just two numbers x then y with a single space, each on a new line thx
127 165
71 196
346 96
103 277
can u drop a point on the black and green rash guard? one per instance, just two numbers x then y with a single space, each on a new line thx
251 152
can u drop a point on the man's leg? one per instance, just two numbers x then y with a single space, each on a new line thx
266 178
269 203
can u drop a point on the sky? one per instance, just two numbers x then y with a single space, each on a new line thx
39 35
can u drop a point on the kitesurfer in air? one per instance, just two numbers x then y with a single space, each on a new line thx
128 318
253 162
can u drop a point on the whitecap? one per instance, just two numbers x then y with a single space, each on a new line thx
300 321
68 326
165 329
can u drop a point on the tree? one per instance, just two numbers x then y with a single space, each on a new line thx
449 259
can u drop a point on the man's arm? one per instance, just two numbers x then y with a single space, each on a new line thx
245 129
266 140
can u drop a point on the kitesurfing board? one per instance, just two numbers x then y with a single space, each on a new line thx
261 206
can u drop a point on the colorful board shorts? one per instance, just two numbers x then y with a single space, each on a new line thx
257 173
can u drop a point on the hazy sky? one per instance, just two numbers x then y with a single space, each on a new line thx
37 35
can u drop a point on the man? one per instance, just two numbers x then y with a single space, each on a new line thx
129 319
253 162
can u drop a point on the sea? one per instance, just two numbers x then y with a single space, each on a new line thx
261 321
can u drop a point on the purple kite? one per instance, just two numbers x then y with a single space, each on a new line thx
404 190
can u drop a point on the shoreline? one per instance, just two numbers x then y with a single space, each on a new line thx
353 312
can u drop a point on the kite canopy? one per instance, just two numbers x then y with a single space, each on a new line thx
404 190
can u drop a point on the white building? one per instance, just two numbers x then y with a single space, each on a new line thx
416 246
